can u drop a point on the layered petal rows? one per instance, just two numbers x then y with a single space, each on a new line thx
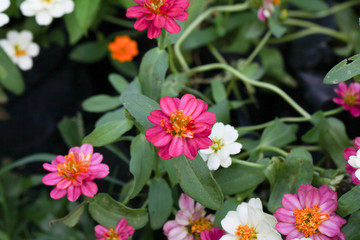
352 156
122 231
349 97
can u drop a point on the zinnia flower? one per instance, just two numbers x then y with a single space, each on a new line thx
223 144
20 48
182 126
214 234
311 214
249 222
352 156
123 49
349 97
74 173
122 231
302 239
189 222
45 10
4 19
267 9
158 14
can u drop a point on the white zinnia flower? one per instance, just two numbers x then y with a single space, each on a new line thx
354 161
223 138
4 19
249 222
45 10
20 48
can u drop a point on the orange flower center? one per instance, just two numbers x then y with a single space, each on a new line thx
111 235
350 99
198 225
48 1
309 219
74 165
155 5
277 2
19 52
245 233
179 124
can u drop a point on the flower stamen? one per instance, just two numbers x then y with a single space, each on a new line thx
245 233
179 124
19 52
74 165
309 219
198 225
155 5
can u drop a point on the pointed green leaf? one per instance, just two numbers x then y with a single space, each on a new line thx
278 134
73 217
71 131
118 82
10 76
101 103
344 70
116 115
229 205
88 52
173 84
85 12
218 91
347 202
351 229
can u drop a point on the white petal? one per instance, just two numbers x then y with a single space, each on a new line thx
243 212
226 162
213 162
33 50
271 220
57 10
228 237
4 4
43 18
217 130
207 151
255 203
233 148
357 174
204 156
13 37
25 63
358 153
231 222
254 217
68 6
7 47
26 9
354 161
26 36
4 19
230 134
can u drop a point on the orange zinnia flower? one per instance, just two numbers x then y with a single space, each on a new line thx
123 49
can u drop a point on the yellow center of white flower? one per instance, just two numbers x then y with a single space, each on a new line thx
245 233
217 144
18 51
47 1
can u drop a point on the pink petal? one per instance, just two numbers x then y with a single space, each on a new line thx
141 24
190 107
96 158
284 215
328 207
50 167
58 159
184 101
183 216
73 193
159 21
350 151
175 11
161 139
171 26
153 131
167 105
203 142
89 188
178 233
294 234
135 12
74 149
176 147
355 111
153 32
164 152
200 108
290 202
57 193
190 148
207 117
285 228
186 202
140 2
156 116
312 198
169 225
86 149
356 142
182 17
51 179
329 228
63 184
100 231
99 170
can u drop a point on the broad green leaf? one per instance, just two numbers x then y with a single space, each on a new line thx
85 12
351 228
88 52
73 28
218 91
116 115
133 88
127 68
170 169
160 202
221 111
152 72
278 134
334 140
173 85
126 3
310 5
276 28
287 176
108 133
320 124
107 212
73 217
196 181
229 205
140 107
71 131
200 38
344 70
141 163
118 82
238 178
101 103
347 203
196 7
10 76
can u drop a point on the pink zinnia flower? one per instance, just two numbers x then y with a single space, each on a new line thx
214 234
352 156
182 126
122 231
311 214
158 14
349 97
189 222
267 9
74 173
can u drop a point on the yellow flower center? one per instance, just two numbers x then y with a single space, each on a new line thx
180 124
74 165
350 99
217 144
111 235
198 225
309 219
155 5
47 1
19 52
245 233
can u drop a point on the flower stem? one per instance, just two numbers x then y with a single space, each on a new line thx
249 164
216 54
6 209
118 21
253 82
257 50
333 111
274 149
196 23
172 66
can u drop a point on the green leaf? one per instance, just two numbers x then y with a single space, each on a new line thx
320 124
221 111
73 217
173 85
85 12
152 72
73 28
200 37
238 178
71 131
118 82
334 140
229 205
171 38
170 169
347 203
126 3
101 103
310 5
108 212
116 115
141 163
344 70
196 181
218 91
278 134
10 76
276 28
287 176
108 132
351 229
196 7
139 107
88 52
127 68
160 202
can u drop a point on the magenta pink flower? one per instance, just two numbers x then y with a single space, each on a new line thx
311 214
74 173
352 156
214 234
158 14
122 231
267 9
189 222
349 97
182 126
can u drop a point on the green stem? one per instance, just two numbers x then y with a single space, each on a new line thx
255 83
119 21
274 149
6 210
307 148
196 23
199 94
257 50
115 150
157 169
216 53
319 169
324 13
333 111
172 66
249 164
